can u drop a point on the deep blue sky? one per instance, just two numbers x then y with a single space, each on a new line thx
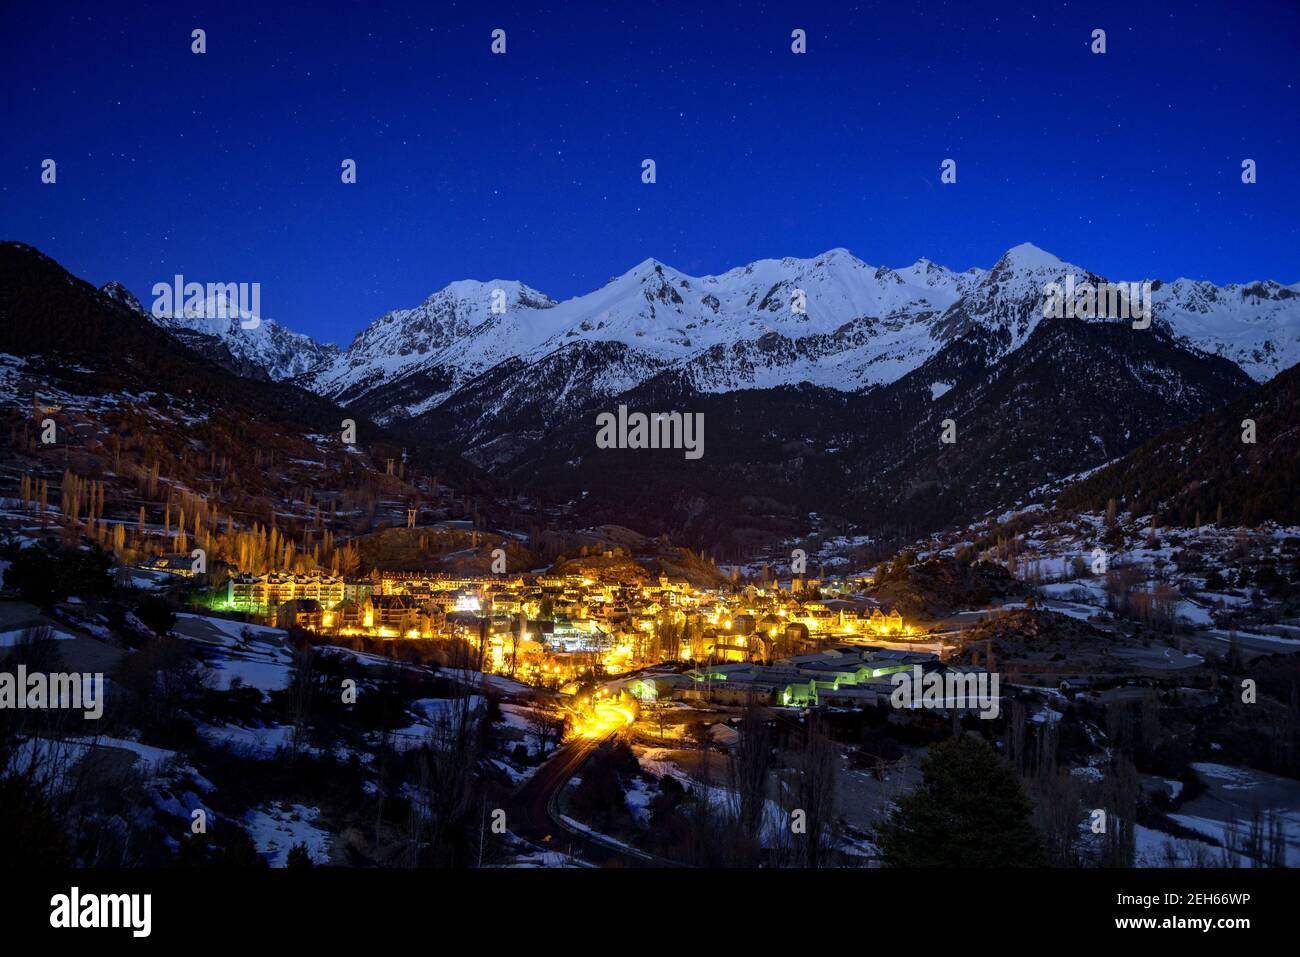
225 167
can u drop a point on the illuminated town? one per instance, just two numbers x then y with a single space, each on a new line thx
552 630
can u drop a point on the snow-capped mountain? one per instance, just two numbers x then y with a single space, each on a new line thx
452 335
823 380
853 325
268 350
831 321
1256 325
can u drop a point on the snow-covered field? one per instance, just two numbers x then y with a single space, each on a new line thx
261 742
263 661
277 826
9 639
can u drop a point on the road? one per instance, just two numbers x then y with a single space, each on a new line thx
534 815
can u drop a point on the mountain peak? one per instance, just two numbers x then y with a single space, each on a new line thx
471 295
646 269
926 267
1029 256
119 293
649 266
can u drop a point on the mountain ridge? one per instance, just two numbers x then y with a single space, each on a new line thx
1033 399
860 326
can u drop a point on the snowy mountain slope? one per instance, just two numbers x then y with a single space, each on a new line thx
268 351
1007 301
1256 325
860 326
451 336
516 404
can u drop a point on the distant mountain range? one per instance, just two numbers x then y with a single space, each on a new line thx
833 409
860 326
267 351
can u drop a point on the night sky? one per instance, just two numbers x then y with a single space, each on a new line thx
226 166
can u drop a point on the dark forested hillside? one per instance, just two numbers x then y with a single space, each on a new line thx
72 333
47 312
1074 396
1194 470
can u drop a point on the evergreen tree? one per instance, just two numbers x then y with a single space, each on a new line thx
47 574
969 811
299 857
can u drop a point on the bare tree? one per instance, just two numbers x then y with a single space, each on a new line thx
1119 799
748 769
304 676
813 791
1057 795
545 727
452 756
